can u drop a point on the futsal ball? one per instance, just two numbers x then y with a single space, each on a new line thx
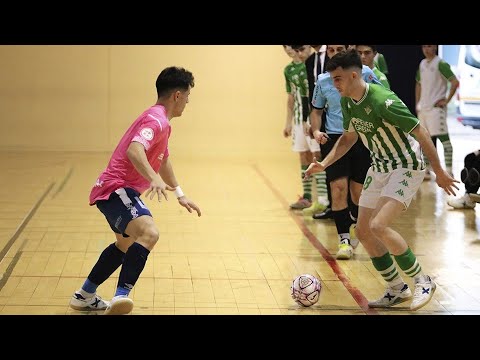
306 290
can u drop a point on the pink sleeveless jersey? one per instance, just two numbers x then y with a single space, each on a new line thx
152 130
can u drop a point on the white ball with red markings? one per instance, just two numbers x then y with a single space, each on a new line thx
306 290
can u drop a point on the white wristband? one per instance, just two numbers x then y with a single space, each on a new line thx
178 192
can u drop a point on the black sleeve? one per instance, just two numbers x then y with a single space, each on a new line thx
305 108
311 79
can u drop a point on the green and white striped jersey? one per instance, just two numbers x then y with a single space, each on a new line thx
384 123
297 84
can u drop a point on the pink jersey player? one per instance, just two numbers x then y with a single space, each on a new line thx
152 130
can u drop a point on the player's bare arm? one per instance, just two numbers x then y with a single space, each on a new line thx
443 178
167 174
341 147
136 154
316 120
287 130
453 89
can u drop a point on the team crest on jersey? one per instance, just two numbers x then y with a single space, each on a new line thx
160 157
147 133
388 102
368 110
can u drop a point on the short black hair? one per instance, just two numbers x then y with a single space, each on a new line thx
297 47
373 47
173 78
346 46
345 60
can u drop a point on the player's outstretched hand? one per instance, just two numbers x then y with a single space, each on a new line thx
157 186
189 205
313 168
446 182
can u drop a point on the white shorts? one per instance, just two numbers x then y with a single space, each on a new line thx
399 184
434 120
302 142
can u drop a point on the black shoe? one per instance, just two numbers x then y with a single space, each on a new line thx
473 177
327 214
464 175
470 177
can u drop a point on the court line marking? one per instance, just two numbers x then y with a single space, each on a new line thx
357 295
24 223
62 184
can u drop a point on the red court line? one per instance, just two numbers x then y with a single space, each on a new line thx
357 295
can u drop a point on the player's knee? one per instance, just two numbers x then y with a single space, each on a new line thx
377 227
339 189
150 235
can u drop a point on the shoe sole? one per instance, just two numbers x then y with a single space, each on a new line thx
120 307
310 213
401 300
344 257
434 287
322 216
85 308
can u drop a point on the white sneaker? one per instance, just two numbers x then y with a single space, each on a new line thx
392 297
120 305
353 236
95 302
345 252
424 290
465 202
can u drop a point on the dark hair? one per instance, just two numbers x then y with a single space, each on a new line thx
297 47
345 60
173 78
373 47
346 46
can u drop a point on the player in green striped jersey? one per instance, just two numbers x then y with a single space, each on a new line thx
395 139
297 124
367 54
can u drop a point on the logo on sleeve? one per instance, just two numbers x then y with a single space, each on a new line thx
388 102
147 133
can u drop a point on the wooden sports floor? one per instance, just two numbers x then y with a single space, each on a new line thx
238 258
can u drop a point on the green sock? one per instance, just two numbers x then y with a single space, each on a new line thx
408 263
385 266
307 184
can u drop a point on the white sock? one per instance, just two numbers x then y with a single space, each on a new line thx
85 294
397 283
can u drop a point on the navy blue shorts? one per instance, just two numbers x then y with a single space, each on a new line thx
122 206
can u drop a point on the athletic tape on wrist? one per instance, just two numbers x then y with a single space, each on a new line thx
178 192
